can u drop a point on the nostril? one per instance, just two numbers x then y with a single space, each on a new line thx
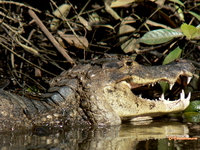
128 63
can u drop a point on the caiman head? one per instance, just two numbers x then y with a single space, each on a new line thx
107 95
102 93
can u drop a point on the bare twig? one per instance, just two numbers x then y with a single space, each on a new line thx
26 59
24 5
14 37
50 36
68 24
35 81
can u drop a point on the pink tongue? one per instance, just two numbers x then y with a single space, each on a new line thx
133 85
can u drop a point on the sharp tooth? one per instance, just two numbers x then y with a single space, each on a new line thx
171 86
189 79
152 84
162 97
189 96
182 95
140 96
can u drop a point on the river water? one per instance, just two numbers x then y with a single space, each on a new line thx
148 135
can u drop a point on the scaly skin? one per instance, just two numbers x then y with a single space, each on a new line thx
98 93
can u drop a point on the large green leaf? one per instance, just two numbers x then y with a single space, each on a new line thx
192 116
193 107
159 36
188 30
176 53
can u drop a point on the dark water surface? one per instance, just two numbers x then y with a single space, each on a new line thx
153 136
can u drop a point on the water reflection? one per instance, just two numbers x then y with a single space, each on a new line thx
155 135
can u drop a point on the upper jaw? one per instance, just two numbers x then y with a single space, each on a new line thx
171 84
167 75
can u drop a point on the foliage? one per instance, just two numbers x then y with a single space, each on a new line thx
190 31
176 53
159 36
193 107
192 116
88 30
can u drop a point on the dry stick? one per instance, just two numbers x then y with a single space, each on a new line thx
26 60
64 19
36 82
29 49
84 7
14 37
24 5
50 36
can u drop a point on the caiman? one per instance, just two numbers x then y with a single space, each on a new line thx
98 93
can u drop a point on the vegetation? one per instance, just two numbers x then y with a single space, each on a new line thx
40 39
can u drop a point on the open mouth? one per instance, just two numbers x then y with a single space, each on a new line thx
154 91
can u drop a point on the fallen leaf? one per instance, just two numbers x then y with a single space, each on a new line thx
79 42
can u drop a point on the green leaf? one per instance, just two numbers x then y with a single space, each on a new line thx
164 85
192 116
195 15
176 53
193 107
159 36
33 89
188 30
178 2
